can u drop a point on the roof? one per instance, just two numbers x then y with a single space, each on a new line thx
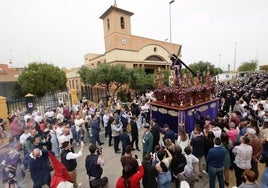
8 74
114 8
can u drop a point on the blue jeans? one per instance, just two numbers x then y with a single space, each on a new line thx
164 180
213 172
264 180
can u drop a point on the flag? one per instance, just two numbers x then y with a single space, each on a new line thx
60 172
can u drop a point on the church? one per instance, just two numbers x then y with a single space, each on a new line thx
121 47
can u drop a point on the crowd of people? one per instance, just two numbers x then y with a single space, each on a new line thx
48 145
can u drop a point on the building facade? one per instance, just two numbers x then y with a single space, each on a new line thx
8 79
121 47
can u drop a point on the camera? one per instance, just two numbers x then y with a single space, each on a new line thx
99 151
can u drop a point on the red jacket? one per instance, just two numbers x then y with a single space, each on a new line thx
134 179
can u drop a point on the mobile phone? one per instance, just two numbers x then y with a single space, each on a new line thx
136 156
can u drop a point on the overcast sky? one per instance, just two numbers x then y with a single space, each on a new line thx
63 31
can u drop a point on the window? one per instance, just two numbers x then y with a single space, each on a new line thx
108 24
122 22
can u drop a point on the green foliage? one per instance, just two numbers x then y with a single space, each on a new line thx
122 95
166 73
248 66
140 81
105 75
42 78
200 67
264 67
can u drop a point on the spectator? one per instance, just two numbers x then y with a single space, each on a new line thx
150 173
256 145
147 140
215 160
94 163
169 134
155 130
164 175
177 165
243 155
134 132
264 159
116 128
128 179
95 131
250 178
125 140
227 159
128 159
39 168
183 140
11 161
198 145
68 159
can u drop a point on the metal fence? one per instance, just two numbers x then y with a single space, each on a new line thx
50 100
93 93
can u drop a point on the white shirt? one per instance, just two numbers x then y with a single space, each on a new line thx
49 114
38 118
190 159
27 116
106 118
60 117
72 155
78 123
64 138
216 131
24 137
183 144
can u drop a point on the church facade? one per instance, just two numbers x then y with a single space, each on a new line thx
121 47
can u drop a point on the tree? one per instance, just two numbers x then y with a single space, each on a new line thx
140 81
264 67
201 67
42 78
105 75
248 66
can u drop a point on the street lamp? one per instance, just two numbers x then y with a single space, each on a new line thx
219 60
170 39
235 58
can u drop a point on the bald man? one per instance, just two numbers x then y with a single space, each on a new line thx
39 168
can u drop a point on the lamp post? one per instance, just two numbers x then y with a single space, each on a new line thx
235 59
170 38
219 60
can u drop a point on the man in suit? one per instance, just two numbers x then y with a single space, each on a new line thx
147 140
155 130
